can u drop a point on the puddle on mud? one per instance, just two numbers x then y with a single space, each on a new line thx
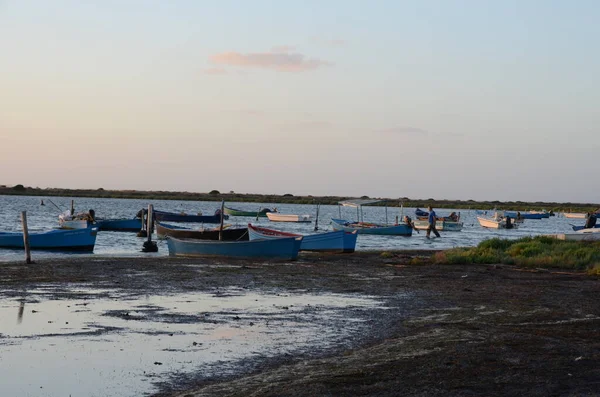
106 342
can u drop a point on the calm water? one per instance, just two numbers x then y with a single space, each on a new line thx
105 342
43 218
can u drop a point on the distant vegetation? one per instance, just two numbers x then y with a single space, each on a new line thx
541 251
215 195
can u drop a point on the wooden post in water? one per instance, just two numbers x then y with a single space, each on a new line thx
149 245
150 224
72 207
26 237
221 227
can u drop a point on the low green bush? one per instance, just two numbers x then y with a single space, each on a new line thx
540 251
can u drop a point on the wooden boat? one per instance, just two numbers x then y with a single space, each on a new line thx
260 213
174 217
337 241
58 239
283 248
424 216
575 215
119 225
498 221
229 234
448 226
526 215
401 229
578 228
277 217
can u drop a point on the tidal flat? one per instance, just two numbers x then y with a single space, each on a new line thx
339 325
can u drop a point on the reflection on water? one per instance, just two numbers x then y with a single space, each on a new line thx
106 343
42 218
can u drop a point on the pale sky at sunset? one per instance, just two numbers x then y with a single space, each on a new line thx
483 100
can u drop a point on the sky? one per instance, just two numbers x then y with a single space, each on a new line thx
448 99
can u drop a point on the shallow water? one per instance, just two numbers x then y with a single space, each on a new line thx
105 343
43 218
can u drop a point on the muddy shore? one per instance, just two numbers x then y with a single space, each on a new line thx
467 330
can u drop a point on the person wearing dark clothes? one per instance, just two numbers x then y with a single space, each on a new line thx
591 221
432 220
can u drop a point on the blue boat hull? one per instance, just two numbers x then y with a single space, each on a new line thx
395 230
283 248
120 225
576 228
337 241
59 240
526 215
173 217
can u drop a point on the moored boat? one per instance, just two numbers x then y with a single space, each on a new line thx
58 240
119 225
592 234
174 217
402 229
229 234
443 225
277 217
336 241
526 215
575 215
260 213
498 221
283 248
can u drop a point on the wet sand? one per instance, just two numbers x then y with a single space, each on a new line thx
449 330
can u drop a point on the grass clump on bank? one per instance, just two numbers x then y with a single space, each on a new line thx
541 251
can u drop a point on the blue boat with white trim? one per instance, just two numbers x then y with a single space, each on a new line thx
54 240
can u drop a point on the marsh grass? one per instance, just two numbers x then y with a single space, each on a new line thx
541 251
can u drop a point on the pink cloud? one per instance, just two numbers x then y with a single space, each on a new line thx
280 61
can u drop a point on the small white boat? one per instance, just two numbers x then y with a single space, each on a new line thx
78 221
575 215
448 226
277 217
498 221
592 234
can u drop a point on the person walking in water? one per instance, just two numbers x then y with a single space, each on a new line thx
432 220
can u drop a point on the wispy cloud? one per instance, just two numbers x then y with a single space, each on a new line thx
283 48
280 61
215 71
329 42
403 131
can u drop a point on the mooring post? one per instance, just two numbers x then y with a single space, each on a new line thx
72 207
150 224
222 216
26 237
149 245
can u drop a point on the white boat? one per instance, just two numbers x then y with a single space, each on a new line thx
575 215
498 221
580 235
447 226
277 217
79 221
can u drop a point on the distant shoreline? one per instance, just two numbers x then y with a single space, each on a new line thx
20 190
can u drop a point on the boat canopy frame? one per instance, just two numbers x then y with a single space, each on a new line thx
359 203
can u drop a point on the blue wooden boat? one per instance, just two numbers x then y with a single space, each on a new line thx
164 230
58 240
119 225
577 228
402 229
283 248
526 215
174 217
337 241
